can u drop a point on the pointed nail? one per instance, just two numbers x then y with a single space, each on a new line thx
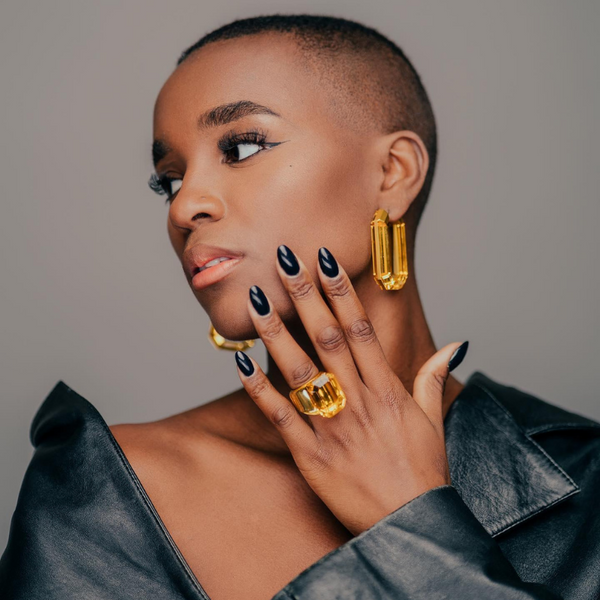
259 301
244 363
327 263
458 356
287 260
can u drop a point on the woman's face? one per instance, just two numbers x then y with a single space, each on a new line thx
316 187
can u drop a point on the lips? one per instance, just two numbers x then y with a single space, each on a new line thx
202 257
210 263
210 275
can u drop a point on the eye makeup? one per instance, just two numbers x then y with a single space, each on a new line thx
227 144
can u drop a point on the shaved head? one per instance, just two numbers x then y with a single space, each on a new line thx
371 85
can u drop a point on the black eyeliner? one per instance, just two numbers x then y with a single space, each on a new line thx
227 142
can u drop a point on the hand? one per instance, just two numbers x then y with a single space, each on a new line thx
385 447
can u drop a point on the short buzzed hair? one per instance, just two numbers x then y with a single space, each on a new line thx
375 87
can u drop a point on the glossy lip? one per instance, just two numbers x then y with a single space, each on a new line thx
215 273
197 256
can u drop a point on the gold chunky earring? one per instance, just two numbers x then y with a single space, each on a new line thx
390 267
222 343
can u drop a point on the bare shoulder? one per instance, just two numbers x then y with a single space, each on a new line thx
168 449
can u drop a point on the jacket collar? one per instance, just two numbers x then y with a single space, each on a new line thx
500 472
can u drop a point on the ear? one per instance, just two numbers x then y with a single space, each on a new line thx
405 161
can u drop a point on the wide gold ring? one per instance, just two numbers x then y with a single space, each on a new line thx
321 395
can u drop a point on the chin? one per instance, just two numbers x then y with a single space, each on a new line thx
231 320
235 334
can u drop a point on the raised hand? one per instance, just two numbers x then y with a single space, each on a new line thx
385 447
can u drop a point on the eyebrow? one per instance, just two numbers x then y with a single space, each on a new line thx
216 117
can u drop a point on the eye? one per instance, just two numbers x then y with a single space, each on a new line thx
164 185
245 151
237 147
234 146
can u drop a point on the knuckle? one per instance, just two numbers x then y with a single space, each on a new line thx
361 330
301 290
258 387
331 338
272 330
302 373
343 439
320 459
283 416
440 379
390 399
339 288
436 382
362 417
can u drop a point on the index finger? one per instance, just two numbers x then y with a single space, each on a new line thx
350 313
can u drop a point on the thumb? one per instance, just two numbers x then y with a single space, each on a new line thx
430 382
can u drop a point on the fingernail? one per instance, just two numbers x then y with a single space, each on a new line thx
328 264
458 356
244 363
259 301
287 260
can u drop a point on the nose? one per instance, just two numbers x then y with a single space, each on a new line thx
191 208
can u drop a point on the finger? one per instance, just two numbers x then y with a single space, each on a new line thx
430 382
295 365
358 329
295 431
320 324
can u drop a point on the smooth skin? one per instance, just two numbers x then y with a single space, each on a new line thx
249 492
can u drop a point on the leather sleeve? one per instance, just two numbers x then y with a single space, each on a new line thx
431 548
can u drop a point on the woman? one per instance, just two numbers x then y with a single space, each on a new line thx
357 467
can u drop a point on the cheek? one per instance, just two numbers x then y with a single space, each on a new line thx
321 196
325 183
329 204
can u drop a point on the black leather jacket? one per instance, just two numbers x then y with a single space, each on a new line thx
520 520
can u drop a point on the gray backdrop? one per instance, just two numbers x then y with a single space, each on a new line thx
93 294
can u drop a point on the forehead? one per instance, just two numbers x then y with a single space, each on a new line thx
266 69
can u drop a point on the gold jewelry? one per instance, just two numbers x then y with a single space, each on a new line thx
390 272
322 395
222 343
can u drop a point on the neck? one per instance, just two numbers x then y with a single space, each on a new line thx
400 325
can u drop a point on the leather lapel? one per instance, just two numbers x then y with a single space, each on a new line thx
502 475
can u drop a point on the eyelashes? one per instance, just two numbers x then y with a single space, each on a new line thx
162 185
231 140
228 145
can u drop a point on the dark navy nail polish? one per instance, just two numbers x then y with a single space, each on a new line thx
259 301
244 363
458 356
328 264
287 260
